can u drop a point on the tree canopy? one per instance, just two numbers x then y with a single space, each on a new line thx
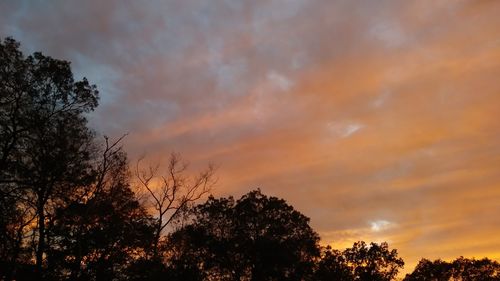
460 269
360 262
254 238
46 146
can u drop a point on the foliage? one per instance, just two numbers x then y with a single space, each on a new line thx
104 231
46 147
460 269
375 262
254 238
360 262
333 266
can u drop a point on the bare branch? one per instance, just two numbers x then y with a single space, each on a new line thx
174 191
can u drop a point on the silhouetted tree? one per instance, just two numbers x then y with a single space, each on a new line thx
13 217
437 270
460 269
46 146
333 266
170 195
360 262
374 262
104 229
254 238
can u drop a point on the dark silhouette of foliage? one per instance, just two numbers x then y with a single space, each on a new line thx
431 270
148 269
254 238
459 269
67 207
333 266
360 262
46 146
374 262
104 230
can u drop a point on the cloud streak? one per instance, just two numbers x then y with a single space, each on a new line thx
364 116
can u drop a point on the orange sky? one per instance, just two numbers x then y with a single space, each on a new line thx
378 120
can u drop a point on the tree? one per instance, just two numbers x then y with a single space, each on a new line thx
172 194
333 266
46 147
104 229
459 269
430 270
67 208
374 262
13 218
254 238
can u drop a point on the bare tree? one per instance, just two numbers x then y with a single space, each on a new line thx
172 193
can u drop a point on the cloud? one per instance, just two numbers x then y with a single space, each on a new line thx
280 81
356 113
379 225
344 130
389 34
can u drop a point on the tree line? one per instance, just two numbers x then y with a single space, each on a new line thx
70 206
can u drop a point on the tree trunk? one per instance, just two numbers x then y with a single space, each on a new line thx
41 237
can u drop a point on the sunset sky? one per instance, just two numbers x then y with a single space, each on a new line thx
379 120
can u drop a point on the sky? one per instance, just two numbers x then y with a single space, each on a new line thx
379 120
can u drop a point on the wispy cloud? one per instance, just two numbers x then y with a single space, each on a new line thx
344 130
377 120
